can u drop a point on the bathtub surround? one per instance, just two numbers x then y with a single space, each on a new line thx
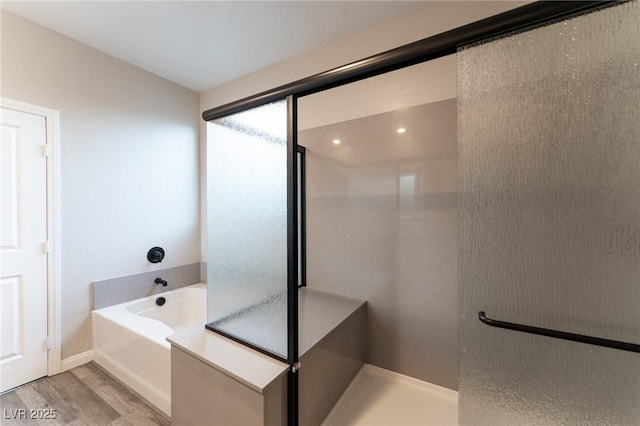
130 339
216 378
128 162
234 385
123 289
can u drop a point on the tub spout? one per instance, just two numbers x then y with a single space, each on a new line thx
161 281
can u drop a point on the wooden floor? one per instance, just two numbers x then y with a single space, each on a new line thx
85 395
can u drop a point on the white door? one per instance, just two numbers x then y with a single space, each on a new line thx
23 258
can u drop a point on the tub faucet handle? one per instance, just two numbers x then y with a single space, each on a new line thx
161 281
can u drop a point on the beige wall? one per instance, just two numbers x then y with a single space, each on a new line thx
129 162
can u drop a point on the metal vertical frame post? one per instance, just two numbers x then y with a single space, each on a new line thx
292 260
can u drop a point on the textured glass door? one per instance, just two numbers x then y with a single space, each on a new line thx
549 151
247 227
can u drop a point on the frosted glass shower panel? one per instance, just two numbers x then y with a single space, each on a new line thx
247 226
549 226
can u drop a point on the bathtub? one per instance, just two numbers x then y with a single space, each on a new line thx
129 339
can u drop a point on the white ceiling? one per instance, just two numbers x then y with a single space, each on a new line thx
203 44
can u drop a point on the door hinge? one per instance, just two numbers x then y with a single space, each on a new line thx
46 152
49 342
46 247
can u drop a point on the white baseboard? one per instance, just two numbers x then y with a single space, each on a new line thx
77 360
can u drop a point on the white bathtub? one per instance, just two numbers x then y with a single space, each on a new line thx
129 339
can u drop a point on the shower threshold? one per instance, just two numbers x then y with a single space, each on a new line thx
382 397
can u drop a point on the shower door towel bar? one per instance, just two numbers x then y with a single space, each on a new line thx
615 344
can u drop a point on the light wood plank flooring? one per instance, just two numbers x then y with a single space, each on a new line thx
85 396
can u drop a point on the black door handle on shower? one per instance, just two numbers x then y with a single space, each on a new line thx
614 344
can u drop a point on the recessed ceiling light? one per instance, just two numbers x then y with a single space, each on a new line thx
336 141
401 130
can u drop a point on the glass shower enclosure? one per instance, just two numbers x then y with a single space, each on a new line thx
548 207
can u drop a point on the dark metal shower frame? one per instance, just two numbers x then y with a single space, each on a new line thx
433 47
443 44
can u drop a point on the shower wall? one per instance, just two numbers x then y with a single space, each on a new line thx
382 226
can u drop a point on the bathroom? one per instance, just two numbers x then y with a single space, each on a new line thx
143 145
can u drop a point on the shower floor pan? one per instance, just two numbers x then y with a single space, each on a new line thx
381 397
